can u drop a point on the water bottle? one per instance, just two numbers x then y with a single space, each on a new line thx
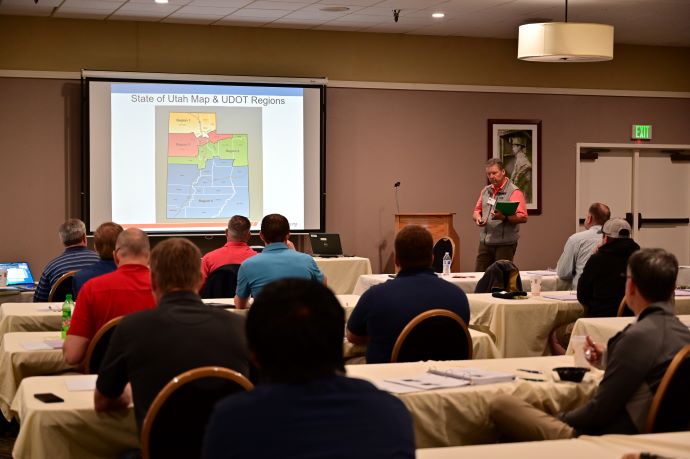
446 264
67 307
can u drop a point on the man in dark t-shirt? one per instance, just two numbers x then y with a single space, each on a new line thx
304 405
149 348
383 311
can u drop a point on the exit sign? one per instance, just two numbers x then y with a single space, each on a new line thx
642 132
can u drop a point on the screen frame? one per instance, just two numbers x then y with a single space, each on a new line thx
88 76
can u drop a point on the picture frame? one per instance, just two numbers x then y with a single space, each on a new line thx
518 144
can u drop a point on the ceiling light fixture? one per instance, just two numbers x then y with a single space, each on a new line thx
438 15
565 41
161 2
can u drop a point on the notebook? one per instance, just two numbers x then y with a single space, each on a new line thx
325 245
19 275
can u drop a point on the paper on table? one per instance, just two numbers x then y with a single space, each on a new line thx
682 292
36 346
474 375
81 383
429 381
49 308
56 343
544 272
394 388
561 296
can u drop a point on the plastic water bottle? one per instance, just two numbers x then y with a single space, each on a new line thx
67 307
446 264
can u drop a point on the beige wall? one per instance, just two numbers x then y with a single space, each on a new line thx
71 45
434 142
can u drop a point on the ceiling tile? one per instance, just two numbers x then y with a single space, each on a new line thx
259 13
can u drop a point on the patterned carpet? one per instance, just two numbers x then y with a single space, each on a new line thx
8 434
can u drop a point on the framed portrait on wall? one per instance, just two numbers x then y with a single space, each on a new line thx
518 144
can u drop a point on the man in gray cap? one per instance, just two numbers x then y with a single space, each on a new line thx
601 287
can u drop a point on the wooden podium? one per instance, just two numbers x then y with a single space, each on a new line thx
439 225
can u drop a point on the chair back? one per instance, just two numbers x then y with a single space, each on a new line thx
670 410
623 309
62 287
221 282
437 334
176 420
500 275
442 246
98 345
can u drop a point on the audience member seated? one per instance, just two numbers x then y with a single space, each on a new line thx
304 405
151 347
104 242
75 257
111 295
601 287
580 246
383 311
634 361
235 251
276 261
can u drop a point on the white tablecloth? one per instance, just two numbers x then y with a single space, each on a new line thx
19 297
460 416
521 326
15 317
674 445
17 363
342 273
601 329
68 430
467 281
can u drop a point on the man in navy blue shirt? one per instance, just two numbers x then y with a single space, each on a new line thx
104 242
383 311
304 405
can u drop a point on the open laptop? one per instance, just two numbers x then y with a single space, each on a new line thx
326 245
19 275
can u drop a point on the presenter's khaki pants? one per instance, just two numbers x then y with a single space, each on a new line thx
487 254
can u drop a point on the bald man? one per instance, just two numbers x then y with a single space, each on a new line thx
126 290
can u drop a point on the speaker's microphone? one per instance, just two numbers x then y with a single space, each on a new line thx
396 186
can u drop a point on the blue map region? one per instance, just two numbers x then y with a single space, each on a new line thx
220 190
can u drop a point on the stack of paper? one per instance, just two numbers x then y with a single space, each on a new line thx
475 376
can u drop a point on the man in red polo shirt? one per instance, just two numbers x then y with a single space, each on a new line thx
126 290
234 252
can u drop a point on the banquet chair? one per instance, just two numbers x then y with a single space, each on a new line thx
176 420
437 334
442 246
221 282
623 309
670 410
98 345
62 287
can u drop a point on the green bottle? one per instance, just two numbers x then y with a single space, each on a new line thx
67 307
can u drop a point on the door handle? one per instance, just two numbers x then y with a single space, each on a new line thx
657 221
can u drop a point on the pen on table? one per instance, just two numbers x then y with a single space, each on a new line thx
532 379
536 372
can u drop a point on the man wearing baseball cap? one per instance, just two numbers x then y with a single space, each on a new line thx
601 287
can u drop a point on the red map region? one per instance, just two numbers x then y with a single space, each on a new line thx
213 137
183 144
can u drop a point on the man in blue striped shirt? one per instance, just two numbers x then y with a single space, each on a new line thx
75 257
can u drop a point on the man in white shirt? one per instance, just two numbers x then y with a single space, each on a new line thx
580 246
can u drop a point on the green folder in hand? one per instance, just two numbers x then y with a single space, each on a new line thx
507 208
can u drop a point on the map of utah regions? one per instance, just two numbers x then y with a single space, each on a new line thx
207 171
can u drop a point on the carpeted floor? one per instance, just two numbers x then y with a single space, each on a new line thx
8 434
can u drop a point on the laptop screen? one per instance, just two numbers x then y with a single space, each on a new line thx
18 273
325 244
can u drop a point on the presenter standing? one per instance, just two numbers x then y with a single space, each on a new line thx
499 233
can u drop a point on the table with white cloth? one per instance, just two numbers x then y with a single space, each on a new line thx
460 416
601 329
17 363
16 317
69 429
604 447
468 281
521 326
16 297
342 272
